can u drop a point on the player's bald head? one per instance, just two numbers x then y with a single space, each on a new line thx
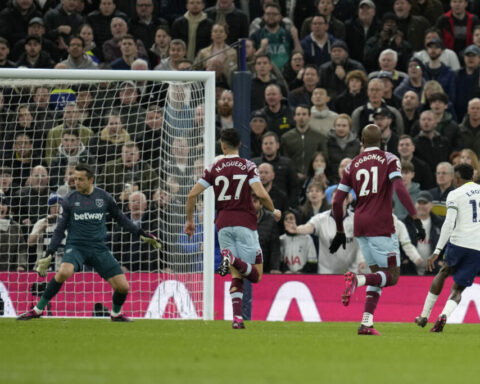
371 136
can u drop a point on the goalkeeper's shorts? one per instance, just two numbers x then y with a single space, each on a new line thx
242 242
99 257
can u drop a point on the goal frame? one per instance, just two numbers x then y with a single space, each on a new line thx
209 140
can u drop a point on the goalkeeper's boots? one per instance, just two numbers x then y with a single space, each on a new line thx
421 321
238 324
121 318
224 267
365 330
439 324
32 314
350 287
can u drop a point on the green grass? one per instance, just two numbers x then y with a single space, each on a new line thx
149 351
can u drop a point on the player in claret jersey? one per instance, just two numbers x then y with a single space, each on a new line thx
233 179
373 175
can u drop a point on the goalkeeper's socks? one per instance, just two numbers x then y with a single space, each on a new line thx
430 301
378 279
236 293
117 301
52 289
246 269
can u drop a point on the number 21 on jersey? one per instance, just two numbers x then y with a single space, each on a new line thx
226 183
369 180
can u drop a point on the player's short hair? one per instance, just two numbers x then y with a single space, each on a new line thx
84 167
464 170
230 137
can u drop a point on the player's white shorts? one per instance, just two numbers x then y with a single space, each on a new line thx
242 242
380 250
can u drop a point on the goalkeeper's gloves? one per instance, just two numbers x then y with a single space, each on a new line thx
151 239
44 263
421 234
339 240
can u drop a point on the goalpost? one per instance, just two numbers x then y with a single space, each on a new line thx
148 134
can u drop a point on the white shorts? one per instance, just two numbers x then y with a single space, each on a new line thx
380 250
242 242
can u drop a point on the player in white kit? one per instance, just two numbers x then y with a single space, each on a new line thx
461 240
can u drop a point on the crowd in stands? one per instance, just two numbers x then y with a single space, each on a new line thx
321 70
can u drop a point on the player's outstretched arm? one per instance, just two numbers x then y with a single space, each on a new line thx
196 190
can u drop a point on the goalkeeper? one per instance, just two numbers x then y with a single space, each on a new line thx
83 216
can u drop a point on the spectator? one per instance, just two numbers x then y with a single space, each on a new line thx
430 146
361 28
268 237
14 19
317 45
31 200
24 124
423 174
224 118
293 71
4 53
388 37
89 116
179 164
342 143
333 73
409 110
68 181
316 173
107 144
322 117
413 27
323 226
112 48
6 179
355 95
470 124
128 171
152 137
91 48
285 176
388 61
71 119
34 56
303 94
225 12
298 252
413 188
332 188
71 150
364 114
382 117
219 49
430 9
133 254
414 81
469 157
129 50
444 179
278 113
262 78
335 26
101 19
301 143
467 80
267 178
42 231
13 250
409 256
143 23
432 224
194 28
159 50
128 103
279 42
258 126
44 118
77 58
176 53
388 85
457 25
62 22
315 203
448 57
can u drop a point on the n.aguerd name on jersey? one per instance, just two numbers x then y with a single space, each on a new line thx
87 216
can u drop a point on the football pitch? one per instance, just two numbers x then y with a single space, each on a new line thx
169 351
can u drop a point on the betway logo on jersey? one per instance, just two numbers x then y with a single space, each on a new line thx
87 216
371 156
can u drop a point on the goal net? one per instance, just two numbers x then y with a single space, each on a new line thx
147 135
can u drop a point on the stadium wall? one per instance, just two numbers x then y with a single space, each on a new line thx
277 298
